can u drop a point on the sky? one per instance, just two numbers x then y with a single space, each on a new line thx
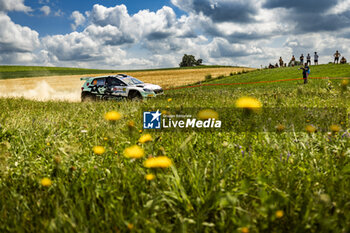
133 34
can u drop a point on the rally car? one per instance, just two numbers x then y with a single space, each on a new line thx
117 87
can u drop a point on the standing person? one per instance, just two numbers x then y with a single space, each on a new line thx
316 58
281 62
293 61
308 59
336 57
302 59
306 70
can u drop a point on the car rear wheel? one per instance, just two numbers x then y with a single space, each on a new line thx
87 97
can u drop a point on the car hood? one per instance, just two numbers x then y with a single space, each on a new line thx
149 86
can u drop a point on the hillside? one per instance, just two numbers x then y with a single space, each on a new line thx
10 72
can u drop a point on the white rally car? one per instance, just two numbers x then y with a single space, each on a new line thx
117 87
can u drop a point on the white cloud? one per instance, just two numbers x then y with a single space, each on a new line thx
15 38
46 10
110 37
341 7
58 13
43 1
17 43
78 19
13 5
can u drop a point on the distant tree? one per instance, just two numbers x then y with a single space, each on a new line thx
199 62
190 60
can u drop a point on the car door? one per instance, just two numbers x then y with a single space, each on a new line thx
118 87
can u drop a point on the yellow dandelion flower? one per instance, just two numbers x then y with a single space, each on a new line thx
113 116
245 230
130 226
335 128
158 162
208 114
310 128
99 150
248 103
140 131
280 127
116 152
48 144
57 159
46 182
164 112
279 213
170 99
134 152
106 139
145 138
131 124
150 177
344 82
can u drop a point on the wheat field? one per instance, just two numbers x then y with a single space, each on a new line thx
68 87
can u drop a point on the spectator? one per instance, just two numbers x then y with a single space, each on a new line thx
281 62
343 60
308 59
293 61
316 58
306 71
302 59
336 57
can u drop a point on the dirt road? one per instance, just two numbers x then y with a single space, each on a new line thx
68 87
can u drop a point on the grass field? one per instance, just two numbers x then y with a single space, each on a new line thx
219 181
11 72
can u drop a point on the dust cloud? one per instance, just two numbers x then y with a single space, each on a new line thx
41 91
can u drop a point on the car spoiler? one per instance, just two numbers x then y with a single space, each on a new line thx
85 78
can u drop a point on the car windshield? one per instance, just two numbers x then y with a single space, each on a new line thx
132 81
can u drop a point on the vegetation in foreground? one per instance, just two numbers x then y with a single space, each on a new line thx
64 166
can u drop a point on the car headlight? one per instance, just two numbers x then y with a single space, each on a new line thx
147 90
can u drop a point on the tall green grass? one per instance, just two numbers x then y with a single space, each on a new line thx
220 181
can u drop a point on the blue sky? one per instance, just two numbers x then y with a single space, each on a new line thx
135 34
53 24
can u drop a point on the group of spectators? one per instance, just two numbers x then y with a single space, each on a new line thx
293 61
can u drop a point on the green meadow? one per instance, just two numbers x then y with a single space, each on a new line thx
281 180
